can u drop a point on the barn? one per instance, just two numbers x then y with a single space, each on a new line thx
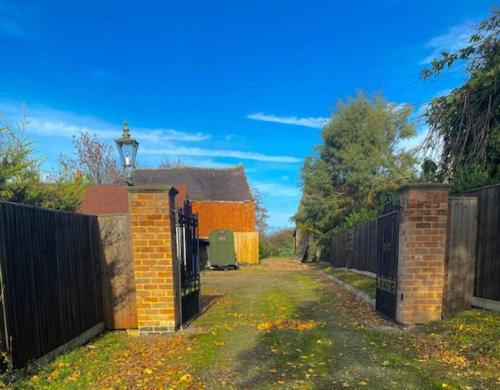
220 196
222 199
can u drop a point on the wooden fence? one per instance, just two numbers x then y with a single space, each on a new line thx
50 275
356 248
246 246
487 269
118 280
460 254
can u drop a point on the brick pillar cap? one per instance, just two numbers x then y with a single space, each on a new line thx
153 189
423 186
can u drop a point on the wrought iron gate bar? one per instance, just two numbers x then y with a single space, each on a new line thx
187 241
387 260
389 213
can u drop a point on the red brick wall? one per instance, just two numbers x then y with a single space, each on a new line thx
422 245
153 256
235 216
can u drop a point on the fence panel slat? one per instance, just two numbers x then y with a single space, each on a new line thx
52 285
460 254
486 284
356 248
118 281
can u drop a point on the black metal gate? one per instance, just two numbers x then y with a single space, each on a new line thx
387 260
188 250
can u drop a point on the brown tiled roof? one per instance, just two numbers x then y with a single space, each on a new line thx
101 199
105 199
218 184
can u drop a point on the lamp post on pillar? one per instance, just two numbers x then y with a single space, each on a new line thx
127 148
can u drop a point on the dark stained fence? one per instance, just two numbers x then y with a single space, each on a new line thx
338 253
487 278
460 254
356 248
364 244
50 265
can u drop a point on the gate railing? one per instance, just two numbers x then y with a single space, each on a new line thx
387 259
188 248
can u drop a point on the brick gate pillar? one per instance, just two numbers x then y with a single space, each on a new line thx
155 265
422 245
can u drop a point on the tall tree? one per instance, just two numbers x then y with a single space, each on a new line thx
21 178
358 165
177 162
464 125
95 160
261 212
319 206
19 169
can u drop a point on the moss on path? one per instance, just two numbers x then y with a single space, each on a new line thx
283 324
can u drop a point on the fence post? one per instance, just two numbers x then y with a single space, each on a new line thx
156 267
422 244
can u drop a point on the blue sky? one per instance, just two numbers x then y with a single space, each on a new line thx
218 82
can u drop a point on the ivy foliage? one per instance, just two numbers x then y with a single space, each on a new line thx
464 137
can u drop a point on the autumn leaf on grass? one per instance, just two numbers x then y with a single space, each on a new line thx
148 371
363 383
287 324
186 378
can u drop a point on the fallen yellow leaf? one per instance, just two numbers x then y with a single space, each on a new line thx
186 378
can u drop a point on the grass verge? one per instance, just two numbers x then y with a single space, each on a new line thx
285 325
366 284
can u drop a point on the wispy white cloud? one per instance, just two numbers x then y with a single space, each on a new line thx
53 123
454 39
48 122
314 122
11 28
225 153
206 163
14 19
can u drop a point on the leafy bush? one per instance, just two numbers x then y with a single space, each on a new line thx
280 243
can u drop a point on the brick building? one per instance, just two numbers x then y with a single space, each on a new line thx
220 196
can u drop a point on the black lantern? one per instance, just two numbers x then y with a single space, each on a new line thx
127 147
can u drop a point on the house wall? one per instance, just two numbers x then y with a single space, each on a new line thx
235 216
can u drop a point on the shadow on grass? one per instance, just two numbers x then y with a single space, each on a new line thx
208 300
337 353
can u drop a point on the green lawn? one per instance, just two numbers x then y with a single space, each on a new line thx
366 284
285 325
